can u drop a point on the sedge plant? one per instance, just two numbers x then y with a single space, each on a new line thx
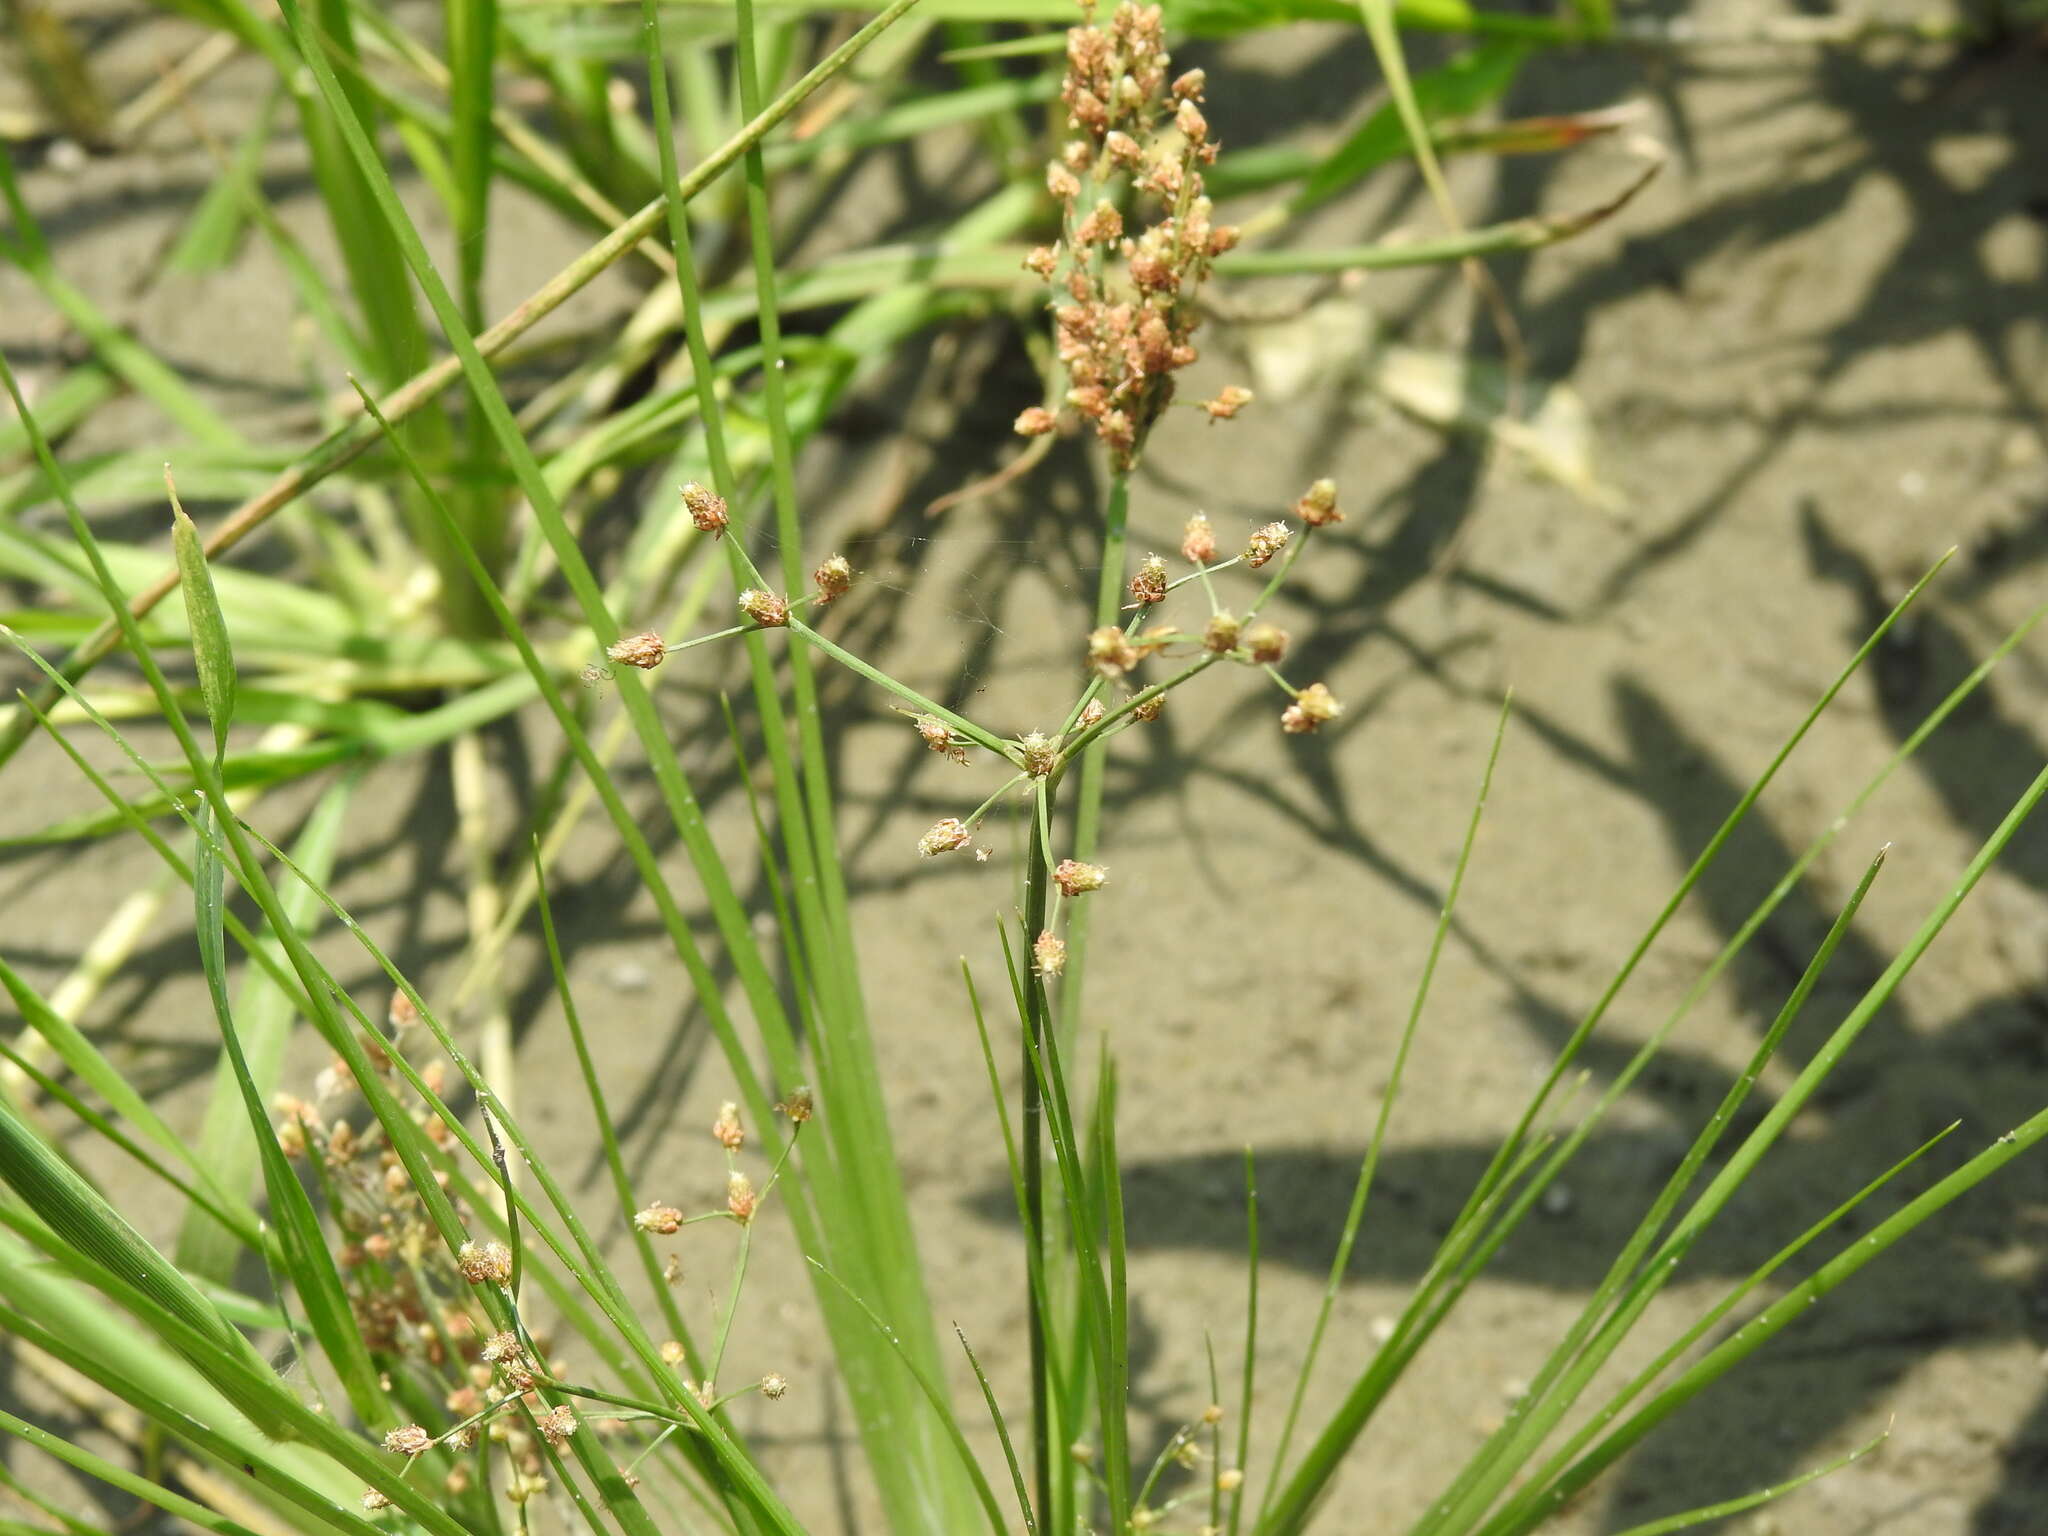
426 1266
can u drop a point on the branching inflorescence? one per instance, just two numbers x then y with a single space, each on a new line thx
1125 321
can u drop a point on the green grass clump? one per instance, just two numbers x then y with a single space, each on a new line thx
423 1266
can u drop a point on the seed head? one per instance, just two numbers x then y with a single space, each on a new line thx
672 1352
1092 713
798 1104
1265 543
557 1425
1062 183
1213 1414
725 1130
662 1220
1189 86
644 650
401 1012
1148 711
373 1501
1187 117
524 1486
1103 226
1048 954
764 608
1224 237
1198 540
408 1440
1318 505
1043 260
945 835
1149 585
1041 754
740 1198
1230 1479
1123 150
707 509
1035 421
1229 400
833 579
1074 878
1266 642
1110 651
503 1348
485 1264
1220 634
773 1385
1312 707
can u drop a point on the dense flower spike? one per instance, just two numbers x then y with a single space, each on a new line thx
1265 543
726 1130
798 1104
484 1264
557 1425
1074 878
1228 402
1149 585
1048 954
662 1220
740 1198
1220 634
945 836
1110 651
1040 752
707 509
833 579
1318 505
774 1385
1035 421
1267 643
1126 323
408 1440
765 608
1198 540
1313 706
644 650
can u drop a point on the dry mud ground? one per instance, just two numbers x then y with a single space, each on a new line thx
1814 356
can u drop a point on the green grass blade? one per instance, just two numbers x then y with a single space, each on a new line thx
307 1254
1249 1369
1701 1326
935 1394
1755 1334
1706 1512
1468 83
212 655
121 353
342 447
263 1015
1562 1378
114 1475
1361 1191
